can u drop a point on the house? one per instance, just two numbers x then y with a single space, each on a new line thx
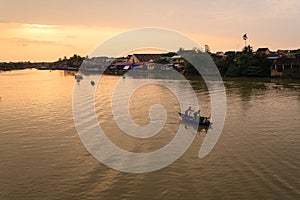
122 59
282 64
177 62
273 56
263 51
286 53
96 64
177 59
142 58
220 54
266 52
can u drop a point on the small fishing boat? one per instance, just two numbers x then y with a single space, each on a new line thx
78 76
203 121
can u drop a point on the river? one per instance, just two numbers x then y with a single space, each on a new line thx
42 156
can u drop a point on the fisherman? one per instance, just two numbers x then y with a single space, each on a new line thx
206 120
188 111
196 115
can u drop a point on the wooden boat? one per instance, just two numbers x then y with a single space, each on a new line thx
203 121
78 76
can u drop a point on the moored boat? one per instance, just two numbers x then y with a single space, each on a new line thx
78 76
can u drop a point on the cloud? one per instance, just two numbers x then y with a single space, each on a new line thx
40 26
27 42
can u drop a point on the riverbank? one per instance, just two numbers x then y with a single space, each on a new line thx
245 63
73 63
193 77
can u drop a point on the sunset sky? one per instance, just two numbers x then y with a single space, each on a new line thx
36 30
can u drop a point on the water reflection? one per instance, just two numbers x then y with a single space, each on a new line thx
68 73
257 156
201 130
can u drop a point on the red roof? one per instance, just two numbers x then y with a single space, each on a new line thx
147 57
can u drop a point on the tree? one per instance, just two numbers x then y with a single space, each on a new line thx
248 49
161 61
207 49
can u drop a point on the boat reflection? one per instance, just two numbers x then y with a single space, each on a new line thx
191 128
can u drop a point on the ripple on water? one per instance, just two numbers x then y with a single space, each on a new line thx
256 157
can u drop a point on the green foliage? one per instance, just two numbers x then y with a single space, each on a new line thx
161 61
292 73
190 69
233 70
248 49
73 62
15 66
297 53
195 56
169 54
244 63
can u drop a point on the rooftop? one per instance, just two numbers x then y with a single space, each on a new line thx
147 57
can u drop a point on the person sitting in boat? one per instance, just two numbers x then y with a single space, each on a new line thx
188 111
206 120
196 115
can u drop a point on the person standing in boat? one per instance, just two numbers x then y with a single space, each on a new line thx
196 115
188 111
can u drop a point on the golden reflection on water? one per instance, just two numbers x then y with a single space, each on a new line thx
41 155
139 104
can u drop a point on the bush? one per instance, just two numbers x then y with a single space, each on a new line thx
292 73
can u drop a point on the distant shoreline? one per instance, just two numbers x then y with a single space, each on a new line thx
188 77
246 63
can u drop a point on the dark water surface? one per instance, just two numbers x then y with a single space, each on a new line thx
42 157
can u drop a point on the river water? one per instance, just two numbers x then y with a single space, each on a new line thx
42 156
